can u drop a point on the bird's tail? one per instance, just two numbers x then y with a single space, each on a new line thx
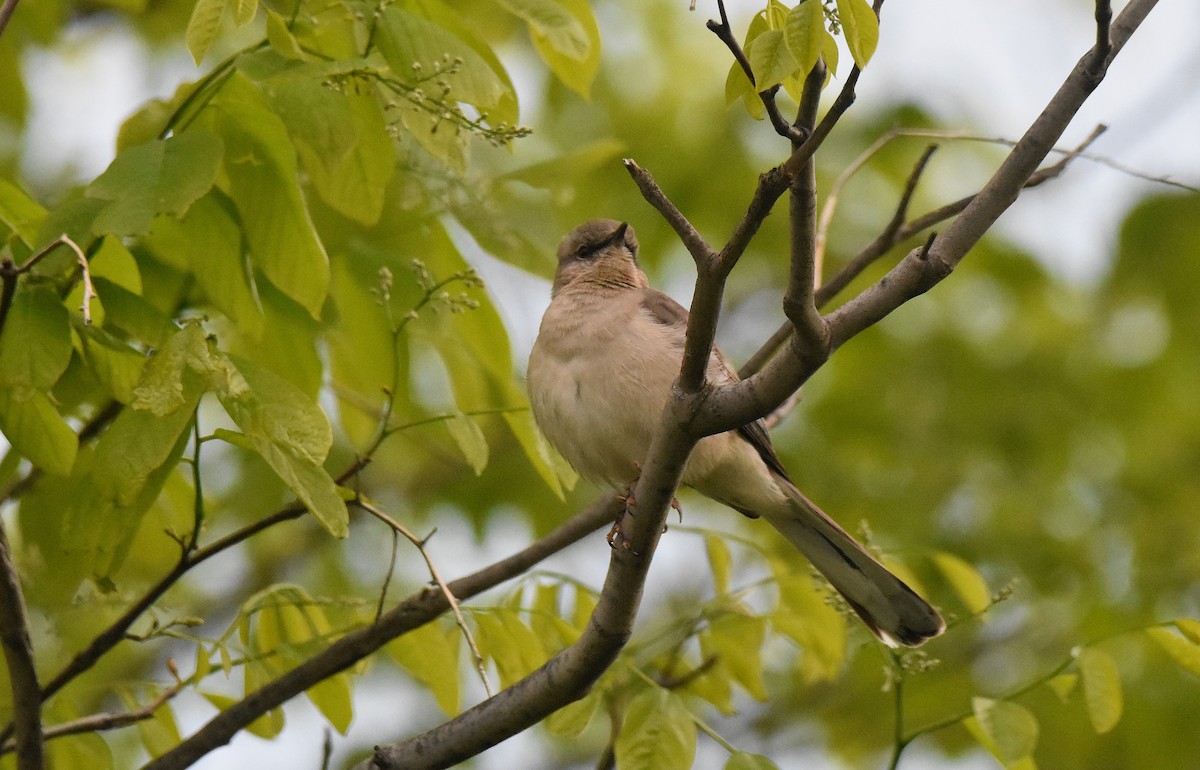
891 609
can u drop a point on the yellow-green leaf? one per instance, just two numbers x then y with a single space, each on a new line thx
1011 729
861 28
720 560
806 616
804 33
1182 651
203 27
573 719
1189 628
965 580
770 59
20 213
1063 685
1101 688
244 11
743 760
657 733
332 698
431 656
736 641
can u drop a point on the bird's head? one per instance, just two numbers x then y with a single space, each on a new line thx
600 251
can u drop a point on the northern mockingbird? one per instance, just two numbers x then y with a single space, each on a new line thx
599 377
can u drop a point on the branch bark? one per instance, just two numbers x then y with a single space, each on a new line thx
18 654
411 613
694 411
735 404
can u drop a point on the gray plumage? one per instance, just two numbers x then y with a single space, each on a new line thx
599 377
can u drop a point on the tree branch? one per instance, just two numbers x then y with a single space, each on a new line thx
412 613
737 403
799 303
18 654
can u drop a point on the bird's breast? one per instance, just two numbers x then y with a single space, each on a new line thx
598 382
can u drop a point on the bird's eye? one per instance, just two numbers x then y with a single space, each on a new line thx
588 250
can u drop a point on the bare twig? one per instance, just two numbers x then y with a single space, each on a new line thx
95 723
451 601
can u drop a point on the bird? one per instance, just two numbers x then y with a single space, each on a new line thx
600 372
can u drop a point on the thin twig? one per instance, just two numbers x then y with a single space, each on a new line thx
95 723
6 13
451 601
724 31
387 579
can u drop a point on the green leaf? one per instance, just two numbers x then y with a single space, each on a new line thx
1011 730
35 347
117 366
657 734
209 241
265 187
132 314
1101 688
770 59
405 39
20 213
165 387
470 440
549 464
1182 651
292 434
720 560
742 760
343 143
861 28
566 36
160 177
203 27
36 430
430 655
332 697
965 580
804 33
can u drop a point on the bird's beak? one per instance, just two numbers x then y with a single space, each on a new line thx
618 235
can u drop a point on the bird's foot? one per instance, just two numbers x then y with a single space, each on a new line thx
616 535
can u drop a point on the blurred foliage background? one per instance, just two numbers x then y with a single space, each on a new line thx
1014 434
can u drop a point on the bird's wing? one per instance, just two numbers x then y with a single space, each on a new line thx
666 311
